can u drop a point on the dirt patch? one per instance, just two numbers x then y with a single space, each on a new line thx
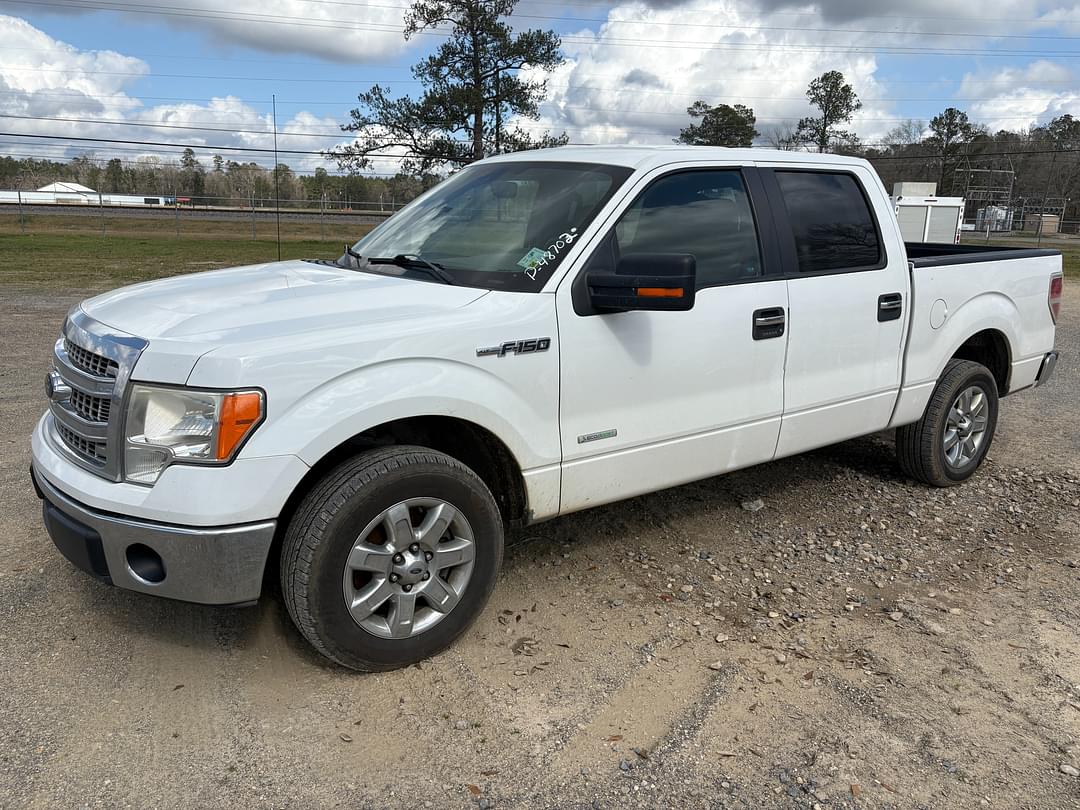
880 645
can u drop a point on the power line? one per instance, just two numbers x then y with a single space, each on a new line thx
277 19
221 148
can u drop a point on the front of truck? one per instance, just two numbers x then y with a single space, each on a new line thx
184 413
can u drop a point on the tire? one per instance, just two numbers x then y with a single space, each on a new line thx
363 503
923 449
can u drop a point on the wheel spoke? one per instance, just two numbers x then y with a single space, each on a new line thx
968 449
402 611
440 594
435 524
978 424
370 599
399 526
369 557
951 438
453 552
977 402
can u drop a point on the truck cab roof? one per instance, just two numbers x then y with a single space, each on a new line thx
649 156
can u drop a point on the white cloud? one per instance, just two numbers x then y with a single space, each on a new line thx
1018 97
358 31
613 91
48 87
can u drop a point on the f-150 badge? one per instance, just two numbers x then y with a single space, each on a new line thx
516 347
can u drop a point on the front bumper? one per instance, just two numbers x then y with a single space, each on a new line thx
210 565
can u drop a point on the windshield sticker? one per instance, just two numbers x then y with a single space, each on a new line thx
536 258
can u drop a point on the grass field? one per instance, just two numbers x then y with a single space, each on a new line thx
82 262
63 253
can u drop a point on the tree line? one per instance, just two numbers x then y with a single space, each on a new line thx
1041 165
221 182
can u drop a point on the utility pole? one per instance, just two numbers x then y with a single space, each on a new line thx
1046 193
498 115
277 189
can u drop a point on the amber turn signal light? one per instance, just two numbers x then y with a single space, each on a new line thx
660 292
240 413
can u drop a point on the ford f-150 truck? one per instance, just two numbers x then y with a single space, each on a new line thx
540 333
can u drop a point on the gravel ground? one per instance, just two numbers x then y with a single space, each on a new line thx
817 632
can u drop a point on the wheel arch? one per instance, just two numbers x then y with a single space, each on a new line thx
989 347
473 445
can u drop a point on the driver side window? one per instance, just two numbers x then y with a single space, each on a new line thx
704 213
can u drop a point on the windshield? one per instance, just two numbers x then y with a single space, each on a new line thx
498 226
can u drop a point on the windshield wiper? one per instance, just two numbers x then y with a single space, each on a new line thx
413 262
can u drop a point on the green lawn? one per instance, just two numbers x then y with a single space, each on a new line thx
83 262
1068 245
90 262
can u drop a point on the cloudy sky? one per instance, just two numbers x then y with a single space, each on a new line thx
201 72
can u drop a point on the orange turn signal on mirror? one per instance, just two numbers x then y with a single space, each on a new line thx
240 413
660 292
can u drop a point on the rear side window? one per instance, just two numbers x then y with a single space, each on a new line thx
704 213
830 217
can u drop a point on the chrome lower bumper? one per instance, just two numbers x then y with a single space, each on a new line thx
213 566
1046 370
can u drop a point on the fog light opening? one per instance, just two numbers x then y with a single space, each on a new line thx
145 563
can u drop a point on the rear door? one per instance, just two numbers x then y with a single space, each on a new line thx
848 296
653 399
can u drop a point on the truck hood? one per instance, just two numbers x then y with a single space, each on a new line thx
242 304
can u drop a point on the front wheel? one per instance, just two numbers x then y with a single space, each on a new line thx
391 557
948 444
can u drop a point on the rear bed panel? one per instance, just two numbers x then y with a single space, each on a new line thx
953 300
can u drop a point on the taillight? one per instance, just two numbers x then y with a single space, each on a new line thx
1053 298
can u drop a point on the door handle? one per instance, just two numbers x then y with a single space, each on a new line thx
889 307
769 323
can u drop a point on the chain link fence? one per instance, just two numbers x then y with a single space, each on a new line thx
191 217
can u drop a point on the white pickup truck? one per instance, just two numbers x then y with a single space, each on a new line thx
540 333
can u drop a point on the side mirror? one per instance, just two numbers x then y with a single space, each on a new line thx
660 282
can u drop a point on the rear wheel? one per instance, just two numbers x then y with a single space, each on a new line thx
948 444
391 557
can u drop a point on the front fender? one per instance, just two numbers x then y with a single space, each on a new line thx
524 419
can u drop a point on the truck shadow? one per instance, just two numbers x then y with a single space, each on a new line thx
263 629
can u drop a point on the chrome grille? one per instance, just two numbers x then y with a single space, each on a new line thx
94 362
94 451
89 361
89 407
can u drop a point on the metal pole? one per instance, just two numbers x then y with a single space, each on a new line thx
176 208
101 209
253 237
22 219
498 116
277 191
322 216
1046 193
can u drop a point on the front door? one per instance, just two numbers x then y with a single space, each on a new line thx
653 399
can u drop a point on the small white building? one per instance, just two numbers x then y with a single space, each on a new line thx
925 217
64 193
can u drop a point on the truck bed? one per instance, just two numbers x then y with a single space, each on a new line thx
931 254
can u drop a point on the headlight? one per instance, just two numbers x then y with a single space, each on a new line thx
166 426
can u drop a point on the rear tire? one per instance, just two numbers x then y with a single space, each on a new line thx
391 557
948 444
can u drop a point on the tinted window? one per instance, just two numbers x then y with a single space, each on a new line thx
834 229
706 214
